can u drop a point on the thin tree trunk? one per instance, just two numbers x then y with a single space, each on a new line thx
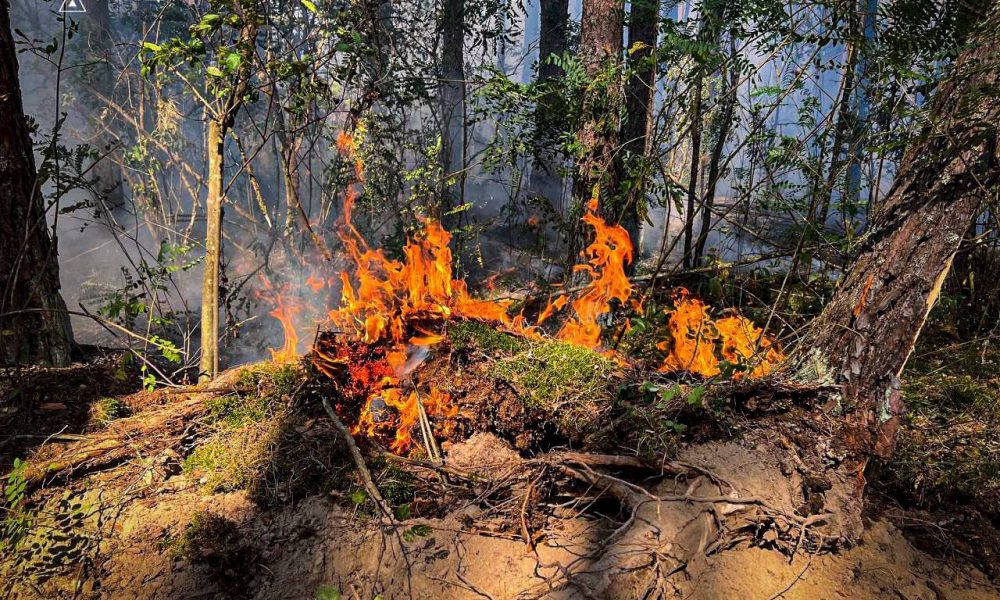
692 191
866 333
452 101
549 121
642 29
723 123
861 104
843 126
100 78
209 365
29 270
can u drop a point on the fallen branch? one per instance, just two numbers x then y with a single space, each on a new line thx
359 461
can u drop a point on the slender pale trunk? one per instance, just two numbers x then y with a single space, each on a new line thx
209 366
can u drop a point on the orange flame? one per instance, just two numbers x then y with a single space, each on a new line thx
286 312
606 258
399 305
697 343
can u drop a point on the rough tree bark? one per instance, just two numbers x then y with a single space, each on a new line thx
29 271
642 30
866 333
601 55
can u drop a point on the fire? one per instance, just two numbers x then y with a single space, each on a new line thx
407 414
391 311
698 344
285 313
606 259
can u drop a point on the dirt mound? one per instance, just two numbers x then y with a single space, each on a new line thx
245 489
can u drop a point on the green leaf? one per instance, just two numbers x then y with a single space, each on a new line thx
417 531
327 592
151 47
694 396
232 61
214 71
670 393
309 6
358 496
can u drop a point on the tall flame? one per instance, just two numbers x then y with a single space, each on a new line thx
606 258
285 313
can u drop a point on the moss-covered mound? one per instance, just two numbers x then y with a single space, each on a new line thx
949 446
532 392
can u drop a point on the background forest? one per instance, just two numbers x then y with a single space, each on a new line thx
750 138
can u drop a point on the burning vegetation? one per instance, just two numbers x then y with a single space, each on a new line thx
393 313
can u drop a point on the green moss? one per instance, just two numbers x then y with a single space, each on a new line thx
397 486
949 446
474 335
261 387
109 409
248 425
551 374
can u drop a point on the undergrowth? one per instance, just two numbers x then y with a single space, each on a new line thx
552 374
949 445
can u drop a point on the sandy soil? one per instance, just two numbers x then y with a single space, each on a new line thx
125 547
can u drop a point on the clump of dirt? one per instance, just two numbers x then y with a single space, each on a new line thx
215 543
482 453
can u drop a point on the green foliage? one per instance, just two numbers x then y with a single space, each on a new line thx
416 532
16 520
260 388
110 409
949 443
248 426
327 592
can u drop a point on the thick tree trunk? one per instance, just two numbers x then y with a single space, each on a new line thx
642 30
601 55
209 365
29 271
865 335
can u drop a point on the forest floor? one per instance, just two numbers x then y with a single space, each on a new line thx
244 489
